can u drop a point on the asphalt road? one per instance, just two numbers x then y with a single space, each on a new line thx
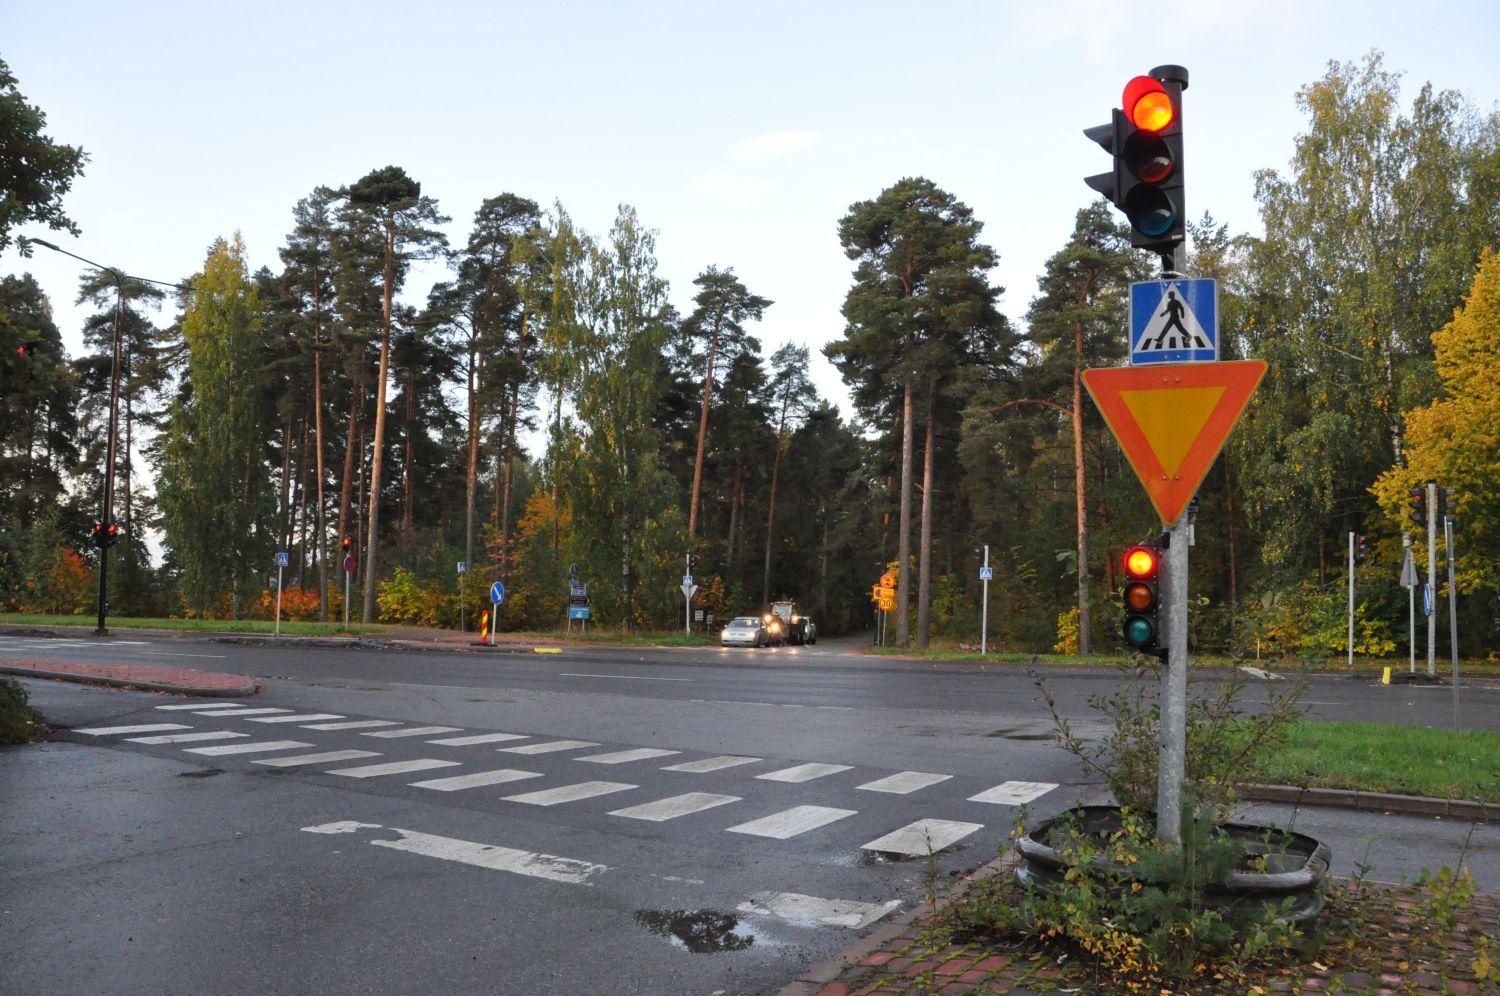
599 820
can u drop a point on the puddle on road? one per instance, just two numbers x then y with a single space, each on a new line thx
1021 733
699 931
200 773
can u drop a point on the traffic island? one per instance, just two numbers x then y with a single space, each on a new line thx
179 680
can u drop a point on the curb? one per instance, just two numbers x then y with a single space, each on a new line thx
249 686
826 971
1408 805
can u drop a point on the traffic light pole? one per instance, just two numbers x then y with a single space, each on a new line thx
1452 614
1411 609
106 514
1351 599
1431 602
984 612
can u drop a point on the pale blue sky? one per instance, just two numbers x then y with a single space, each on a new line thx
740 131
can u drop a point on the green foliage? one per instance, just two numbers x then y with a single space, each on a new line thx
37 170
405 599
19 723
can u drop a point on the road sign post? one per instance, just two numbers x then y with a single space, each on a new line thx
1431 577
688 590
282 559
1452 613
462 595
1351 599
1409 582
497 595
984 611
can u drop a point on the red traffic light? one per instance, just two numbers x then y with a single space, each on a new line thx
1141 563
1147 104
346 543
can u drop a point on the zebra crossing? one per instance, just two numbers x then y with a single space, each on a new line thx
451 768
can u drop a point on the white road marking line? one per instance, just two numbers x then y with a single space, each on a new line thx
799 908
914 839
904 782
186 738
202 705
354 724
674 806
791 822
492 856
803 772
167 653
297 719
253 748
478 779
104 731
327 757
631 677
393 768
568 793
413 731
482 738
221 711
1014 793
549 747
624 756
708 764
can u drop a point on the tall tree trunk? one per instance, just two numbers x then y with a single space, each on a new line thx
348 483
372 546
823 570
320 539
708 390
903 538
409 480
1233 574
765 587
1085 623
924 550
284 533
736 499
510 449
471 482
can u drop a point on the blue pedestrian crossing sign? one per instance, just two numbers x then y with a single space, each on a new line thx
986 574
497 593
1174 321
283 559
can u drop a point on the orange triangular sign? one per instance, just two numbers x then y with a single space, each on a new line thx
1172 419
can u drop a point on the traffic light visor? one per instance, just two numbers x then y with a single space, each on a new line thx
1147 104
1140 562
1139 597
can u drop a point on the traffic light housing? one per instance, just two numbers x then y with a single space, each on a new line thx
1141 595
1416 507
1447 499
346 543
105 536
1360 548
1144 135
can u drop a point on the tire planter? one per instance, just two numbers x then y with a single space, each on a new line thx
1297 865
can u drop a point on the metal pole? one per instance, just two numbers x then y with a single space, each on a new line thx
1172 767
1452 614
106 514
1351 600
984 613
461 600
494 621
1411 607
1432 577
278 596
346 600
687 598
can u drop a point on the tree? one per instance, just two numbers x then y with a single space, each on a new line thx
213 488
394 202
723 306
35 172
792 396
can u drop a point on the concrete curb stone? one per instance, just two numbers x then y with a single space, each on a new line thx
1410 805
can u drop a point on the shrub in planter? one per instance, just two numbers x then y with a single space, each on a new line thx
19 722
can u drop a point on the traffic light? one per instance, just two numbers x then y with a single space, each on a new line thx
1144 136
1417 507
26 350
1447 501
1142 627
105 536
1360 549
346 544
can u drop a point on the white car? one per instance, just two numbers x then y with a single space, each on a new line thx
745 631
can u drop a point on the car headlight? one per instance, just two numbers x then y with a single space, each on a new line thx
776 627
794 617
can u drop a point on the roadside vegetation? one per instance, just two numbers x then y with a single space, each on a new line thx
19 723
288 627
1385 757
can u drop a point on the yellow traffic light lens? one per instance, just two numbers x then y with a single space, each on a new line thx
1138 596
1140 563
1152 112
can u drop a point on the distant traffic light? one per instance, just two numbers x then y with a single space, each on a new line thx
1417 507
1360 548
105 536
1144 136
1447 501
346 544
27 349
1142 627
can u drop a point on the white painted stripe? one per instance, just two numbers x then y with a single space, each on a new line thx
904 782
803 772
674 806
549 747
799 908
221 711
259 747
1014 793
492 856
393 768
186 738
297 719
478 779
568 793
480 738
327 757
413 731
916 839
623 756
201 705
105 731
356 724
791 822
708 764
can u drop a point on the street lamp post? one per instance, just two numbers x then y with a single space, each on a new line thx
107 502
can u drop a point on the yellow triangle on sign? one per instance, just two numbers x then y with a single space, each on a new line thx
1172 420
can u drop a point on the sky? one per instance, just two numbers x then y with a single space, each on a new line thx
740 132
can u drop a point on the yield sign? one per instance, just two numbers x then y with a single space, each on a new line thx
1172 419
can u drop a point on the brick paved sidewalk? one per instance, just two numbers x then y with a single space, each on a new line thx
182 680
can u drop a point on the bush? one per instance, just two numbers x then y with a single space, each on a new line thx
403 598
19 723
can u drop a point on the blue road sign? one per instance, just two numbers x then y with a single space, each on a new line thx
986 574
497 593
1427 600
1174 321
578 612
283 559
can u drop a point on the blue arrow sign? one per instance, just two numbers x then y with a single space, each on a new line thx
1174 321
1427 600
497 593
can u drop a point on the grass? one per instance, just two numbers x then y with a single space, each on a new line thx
192 625
1385 757
950 652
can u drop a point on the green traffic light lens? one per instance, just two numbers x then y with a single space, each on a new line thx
1139 631
1150 211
